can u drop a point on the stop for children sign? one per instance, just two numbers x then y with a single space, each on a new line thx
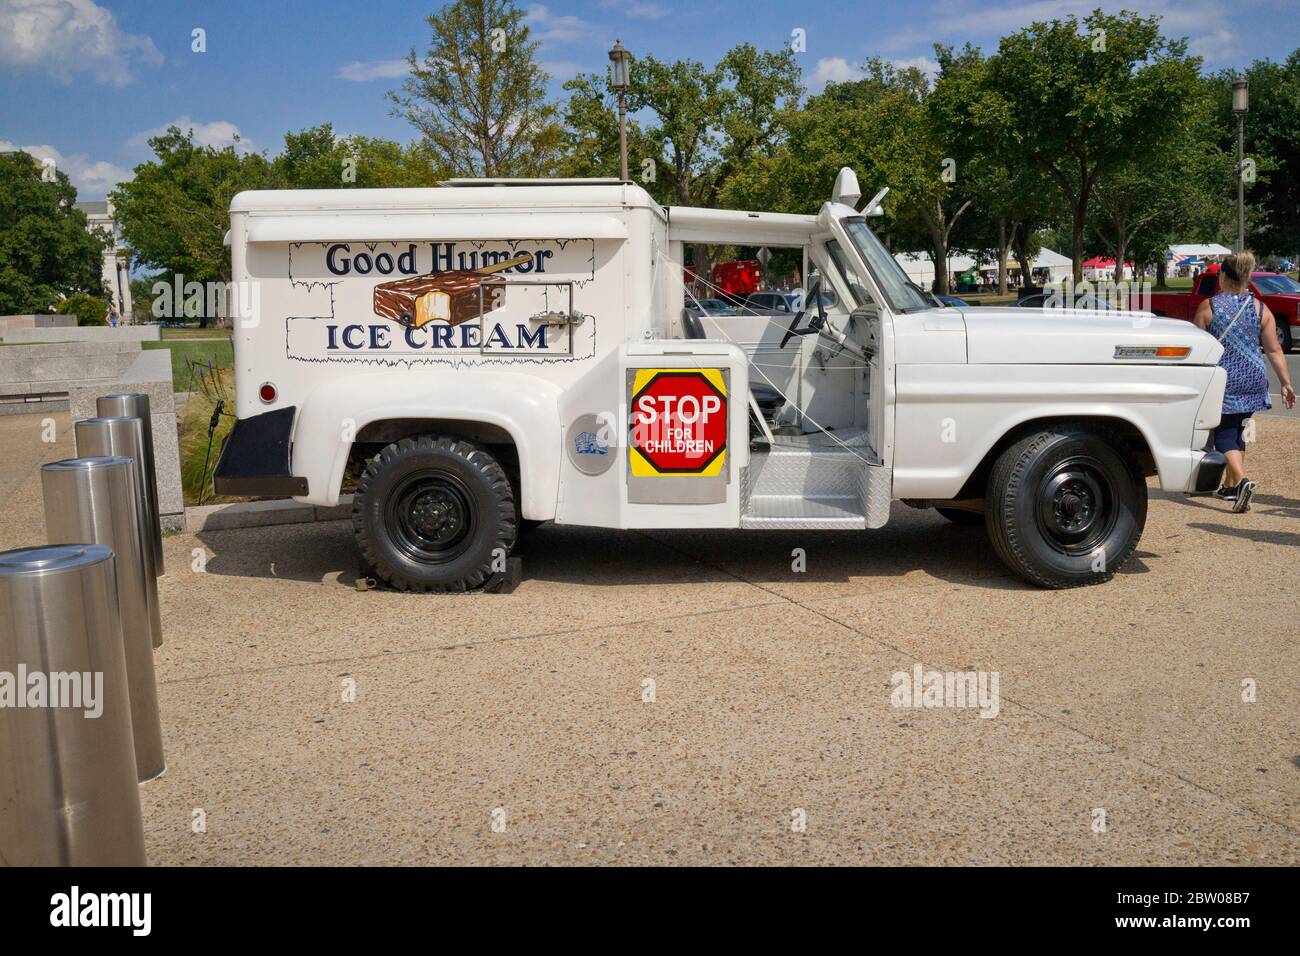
678 422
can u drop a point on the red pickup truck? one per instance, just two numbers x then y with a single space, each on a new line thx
1279 292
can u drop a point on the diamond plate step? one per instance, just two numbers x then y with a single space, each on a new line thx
783 511
816 481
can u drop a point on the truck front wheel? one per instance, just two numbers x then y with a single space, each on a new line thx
434 514
1066 506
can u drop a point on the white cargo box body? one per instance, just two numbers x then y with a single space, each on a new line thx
569 276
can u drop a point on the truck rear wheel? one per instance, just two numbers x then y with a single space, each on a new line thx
433 514
1066 506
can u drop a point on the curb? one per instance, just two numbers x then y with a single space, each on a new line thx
260 514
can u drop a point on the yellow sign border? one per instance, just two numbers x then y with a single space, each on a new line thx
641 467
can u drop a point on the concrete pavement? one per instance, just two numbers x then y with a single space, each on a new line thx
771 696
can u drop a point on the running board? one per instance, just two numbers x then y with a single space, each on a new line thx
775 512
816 481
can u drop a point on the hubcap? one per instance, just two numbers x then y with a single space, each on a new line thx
429 517
1076 506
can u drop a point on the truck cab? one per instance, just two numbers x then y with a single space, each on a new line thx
482 355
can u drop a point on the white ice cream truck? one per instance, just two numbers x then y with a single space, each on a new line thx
491 353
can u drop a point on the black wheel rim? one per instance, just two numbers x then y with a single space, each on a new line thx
430 518
1076 507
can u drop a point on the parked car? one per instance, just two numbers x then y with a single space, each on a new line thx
710 307
1279 292
786 303
1043 300
953 301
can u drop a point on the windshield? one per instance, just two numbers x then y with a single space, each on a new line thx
902 293
1277 285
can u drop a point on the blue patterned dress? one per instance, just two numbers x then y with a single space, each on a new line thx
1247 389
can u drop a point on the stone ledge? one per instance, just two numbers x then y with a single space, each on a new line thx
258 514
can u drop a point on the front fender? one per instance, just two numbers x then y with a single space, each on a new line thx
947 418
523 405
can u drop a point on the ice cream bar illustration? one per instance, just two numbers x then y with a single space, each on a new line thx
451 297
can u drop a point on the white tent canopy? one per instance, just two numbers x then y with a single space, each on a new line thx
920 268
1198 250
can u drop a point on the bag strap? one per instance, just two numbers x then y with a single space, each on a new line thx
1235 318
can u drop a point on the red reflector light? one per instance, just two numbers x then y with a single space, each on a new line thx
267 393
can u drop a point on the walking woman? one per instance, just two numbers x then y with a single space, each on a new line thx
1244 325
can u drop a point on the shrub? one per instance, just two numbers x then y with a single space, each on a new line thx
196 453
88 309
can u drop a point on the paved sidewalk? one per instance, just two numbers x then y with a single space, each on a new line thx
771 696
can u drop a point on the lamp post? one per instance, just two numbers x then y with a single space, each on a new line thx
620 79
1240 107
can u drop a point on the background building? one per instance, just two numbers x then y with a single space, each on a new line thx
116 266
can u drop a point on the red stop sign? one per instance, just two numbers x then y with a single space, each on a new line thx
679 422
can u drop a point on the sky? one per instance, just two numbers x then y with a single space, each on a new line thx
87 82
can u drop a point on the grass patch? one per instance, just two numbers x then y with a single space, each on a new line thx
193 332
217 351
196 479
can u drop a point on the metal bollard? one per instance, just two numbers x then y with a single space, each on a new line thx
68 791
136 405
93 500
125 437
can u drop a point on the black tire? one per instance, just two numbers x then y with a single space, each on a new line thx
430 512
1065 506
1285 335
958 516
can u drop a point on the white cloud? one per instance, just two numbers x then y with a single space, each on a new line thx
923 63
960 20
1219 47
67 36
832 69
92 177
561 70
218 134
362 71
636 9
548 28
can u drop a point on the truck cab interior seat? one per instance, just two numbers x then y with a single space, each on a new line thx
768 398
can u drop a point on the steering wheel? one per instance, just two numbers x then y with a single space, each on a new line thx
815 294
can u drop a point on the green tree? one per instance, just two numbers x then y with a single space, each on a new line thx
1273 142
916 152
888 128
699 126
316 158
478 95
175 211
89 309
46 251
1079 100
590 138
1153 199
1012 200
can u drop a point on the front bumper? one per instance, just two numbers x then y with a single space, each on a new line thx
1208 472
255 457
